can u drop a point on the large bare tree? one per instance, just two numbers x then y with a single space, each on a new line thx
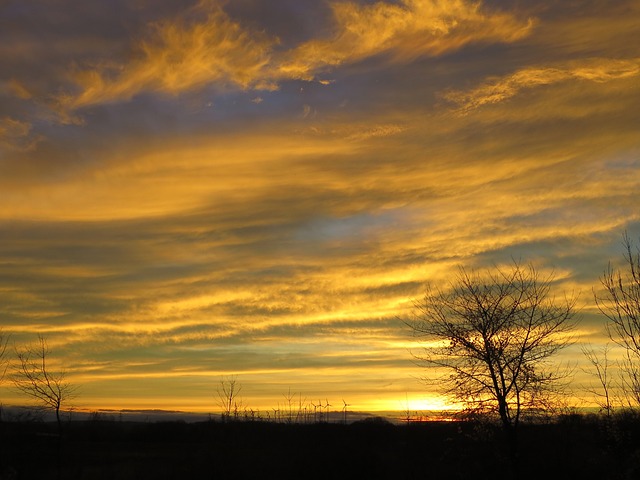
33 377
492 333
619 301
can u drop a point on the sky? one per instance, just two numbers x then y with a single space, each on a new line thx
195 190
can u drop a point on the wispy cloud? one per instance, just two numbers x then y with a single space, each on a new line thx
599 70
16 135
204 46
17 89
404 30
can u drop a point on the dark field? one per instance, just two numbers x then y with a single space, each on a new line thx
573 447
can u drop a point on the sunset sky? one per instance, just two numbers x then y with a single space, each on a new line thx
262 188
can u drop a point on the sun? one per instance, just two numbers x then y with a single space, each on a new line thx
416 404
428 404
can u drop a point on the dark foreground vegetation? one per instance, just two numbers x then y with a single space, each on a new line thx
573 446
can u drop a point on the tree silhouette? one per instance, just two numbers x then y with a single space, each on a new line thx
600 364
229 397
619 301
33 377
493 332
4 341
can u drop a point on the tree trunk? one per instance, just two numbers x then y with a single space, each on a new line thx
58 420
510 432
511 439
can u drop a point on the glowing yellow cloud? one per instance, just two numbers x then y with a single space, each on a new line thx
180 55
172 179
215 50
599 70
411 29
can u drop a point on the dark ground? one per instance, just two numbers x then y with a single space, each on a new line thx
573 447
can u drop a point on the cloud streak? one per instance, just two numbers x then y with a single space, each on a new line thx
205 47
16 135
498 90
404 30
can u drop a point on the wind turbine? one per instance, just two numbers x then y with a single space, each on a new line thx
326 409
344 411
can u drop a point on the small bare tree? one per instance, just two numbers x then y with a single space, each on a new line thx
4 362
619 301
600 365
33 377
493 333
4 340
229 397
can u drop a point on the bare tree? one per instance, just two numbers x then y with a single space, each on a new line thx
493 334
4 363
229 396
33 377
600 365
4 340
619 301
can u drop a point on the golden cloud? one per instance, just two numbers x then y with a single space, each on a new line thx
180 55
411 29
213 49
225 171
17 89
10 128
16 135
600 70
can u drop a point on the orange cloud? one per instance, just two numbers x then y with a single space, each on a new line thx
10 128
599 70
180 55
17 89
213 49
406 31
16 135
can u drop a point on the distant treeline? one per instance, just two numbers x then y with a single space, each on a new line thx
571 446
